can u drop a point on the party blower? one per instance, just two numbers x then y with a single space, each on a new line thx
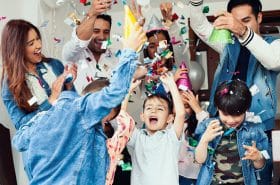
184 83
221 36
129 23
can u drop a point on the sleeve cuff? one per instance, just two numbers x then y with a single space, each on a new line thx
81 43
248 38
196 2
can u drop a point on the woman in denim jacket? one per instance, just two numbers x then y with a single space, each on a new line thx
30 81
231 148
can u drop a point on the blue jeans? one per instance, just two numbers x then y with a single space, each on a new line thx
186 181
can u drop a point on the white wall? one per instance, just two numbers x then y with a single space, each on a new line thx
37 12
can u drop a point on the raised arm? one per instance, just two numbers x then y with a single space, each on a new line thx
168 80
98 104
81 36
213 130
201 26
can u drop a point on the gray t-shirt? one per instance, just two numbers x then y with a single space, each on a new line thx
154 157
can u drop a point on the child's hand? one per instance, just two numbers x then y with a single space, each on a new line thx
213 130
137 12
136 39
252 153
179 72
189 98
56 89
166 11
167 79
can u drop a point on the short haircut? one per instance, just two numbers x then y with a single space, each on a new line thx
105 17
160 97
233 97
96 85
255 4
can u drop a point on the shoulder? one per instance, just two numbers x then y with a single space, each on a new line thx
55 64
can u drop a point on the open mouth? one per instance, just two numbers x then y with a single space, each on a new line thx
153 120
37 52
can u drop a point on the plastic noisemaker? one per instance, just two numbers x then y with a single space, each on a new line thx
221 36
184 83
129 21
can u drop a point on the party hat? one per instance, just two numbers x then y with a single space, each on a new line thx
129 21
184 83
155 24
221 36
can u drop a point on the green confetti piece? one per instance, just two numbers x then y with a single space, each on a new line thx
193 142
126 166
205 9
183 30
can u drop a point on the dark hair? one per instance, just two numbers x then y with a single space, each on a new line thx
105 17
169 63
161 97
13 43
96 85
233 97
255 4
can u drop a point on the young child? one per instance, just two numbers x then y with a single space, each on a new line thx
61 144
229 146
188 167
155 149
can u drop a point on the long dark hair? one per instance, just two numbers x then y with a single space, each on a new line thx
13 44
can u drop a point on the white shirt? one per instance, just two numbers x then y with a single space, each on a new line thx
76 51
267 54
154 157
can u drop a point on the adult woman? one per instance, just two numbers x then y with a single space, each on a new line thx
30 81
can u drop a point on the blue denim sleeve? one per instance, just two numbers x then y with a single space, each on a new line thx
94 106
18 116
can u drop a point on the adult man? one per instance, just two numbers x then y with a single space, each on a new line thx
88 46
252 58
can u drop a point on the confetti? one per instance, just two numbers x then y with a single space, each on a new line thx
174 41
118 53
119 24
2 18
180 4
44 24
183 30
205 9
59 2
175 17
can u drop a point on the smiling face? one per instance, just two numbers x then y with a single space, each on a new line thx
33 48
231 121
101 32
156 114
154 43
245 15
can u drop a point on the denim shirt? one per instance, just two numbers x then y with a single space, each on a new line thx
247 133
19 116
264 102
66 144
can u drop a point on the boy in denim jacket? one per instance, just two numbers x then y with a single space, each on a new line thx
231 148
61 145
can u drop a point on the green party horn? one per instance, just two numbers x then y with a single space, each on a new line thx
221 36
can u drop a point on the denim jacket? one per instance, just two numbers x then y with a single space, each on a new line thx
66 144
19 116
247 133
264 102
